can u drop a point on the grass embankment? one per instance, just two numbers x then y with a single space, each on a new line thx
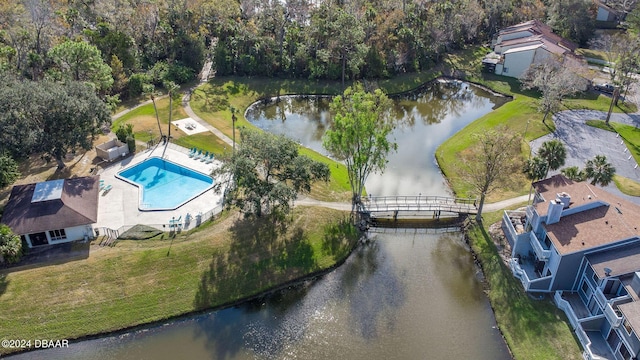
533 329
137 282
519 115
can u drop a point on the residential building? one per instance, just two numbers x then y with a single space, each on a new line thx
517 47
581 244
53 212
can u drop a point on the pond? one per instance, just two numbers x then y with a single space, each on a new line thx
412 294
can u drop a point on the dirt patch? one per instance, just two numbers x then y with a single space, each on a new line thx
500 241
140 232
36 169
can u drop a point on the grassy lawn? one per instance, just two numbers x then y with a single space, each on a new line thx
626 185
519 115
142 281
533 329
145 125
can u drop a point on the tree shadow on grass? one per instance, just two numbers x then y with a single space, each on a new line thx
262 254
524 318
3 283
339 238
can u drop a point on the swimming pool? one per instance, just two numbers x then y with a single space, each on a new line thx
165 185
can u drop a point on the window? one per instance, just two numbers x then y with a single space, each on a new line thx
627 326
595 278
505 70
624 352
57 235
38 239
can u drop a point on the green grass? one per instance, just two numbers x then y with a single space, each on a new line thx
205 141
626 185
533 329
143 119
595 54
519 115
141 281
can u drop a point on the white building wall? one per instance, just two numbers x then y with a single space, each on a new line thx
516 63
72 233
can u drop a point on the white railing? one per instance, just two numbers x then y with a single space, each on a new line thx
611 316
519 273
564 305
507 221
537 247
602 300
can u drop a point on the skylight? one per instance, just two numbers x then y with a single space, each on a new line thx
48 190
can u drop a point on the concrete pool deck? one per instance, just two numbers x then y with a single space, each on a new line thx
120 206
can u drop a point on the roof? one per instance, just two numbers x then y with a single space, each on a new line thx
538 28
522 48
631 311
606 218
620 261
77 205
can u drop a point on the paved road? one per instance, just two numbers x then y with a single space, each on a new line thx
583 142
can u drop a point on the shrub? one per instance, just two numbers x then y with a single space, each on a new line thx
124 131
10 245
136 83
8 170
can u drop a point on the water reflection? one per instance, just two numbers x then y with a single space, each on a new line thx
403 296
423 121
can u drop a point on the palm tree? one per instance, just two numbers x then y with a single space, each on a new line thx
573 173
553 153
535 169
172 88
599 171
149 90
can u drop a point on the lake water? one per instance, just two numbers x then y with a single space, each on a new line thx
404 295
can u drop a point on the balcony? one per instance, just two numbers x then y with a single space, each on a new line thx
540 249
519 273
613 315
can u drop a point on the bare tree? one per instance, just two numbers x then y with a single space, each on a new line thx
490 162
555 81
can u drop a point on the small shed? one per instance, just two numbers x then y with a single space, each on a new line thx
112 149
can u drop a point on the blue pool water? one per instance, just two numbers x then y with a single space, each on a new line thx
165 185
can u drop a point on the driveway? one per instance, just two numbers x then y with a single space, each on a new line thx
583 142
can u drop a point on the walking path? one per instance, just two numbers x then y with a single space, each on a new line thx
344 206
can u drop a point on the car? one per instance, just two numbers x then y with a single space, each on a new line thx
605 88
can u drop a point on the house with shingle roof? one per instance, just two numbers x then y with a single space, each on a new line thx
581 244
53 212
516 47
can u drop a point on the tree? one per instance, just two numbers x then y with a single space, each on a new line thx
52 118
358 135
553 153
172 89
8 170
572 19
574 173
81 61
266 173
599 170
555 81
149 90
490 162
10 245
536 168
